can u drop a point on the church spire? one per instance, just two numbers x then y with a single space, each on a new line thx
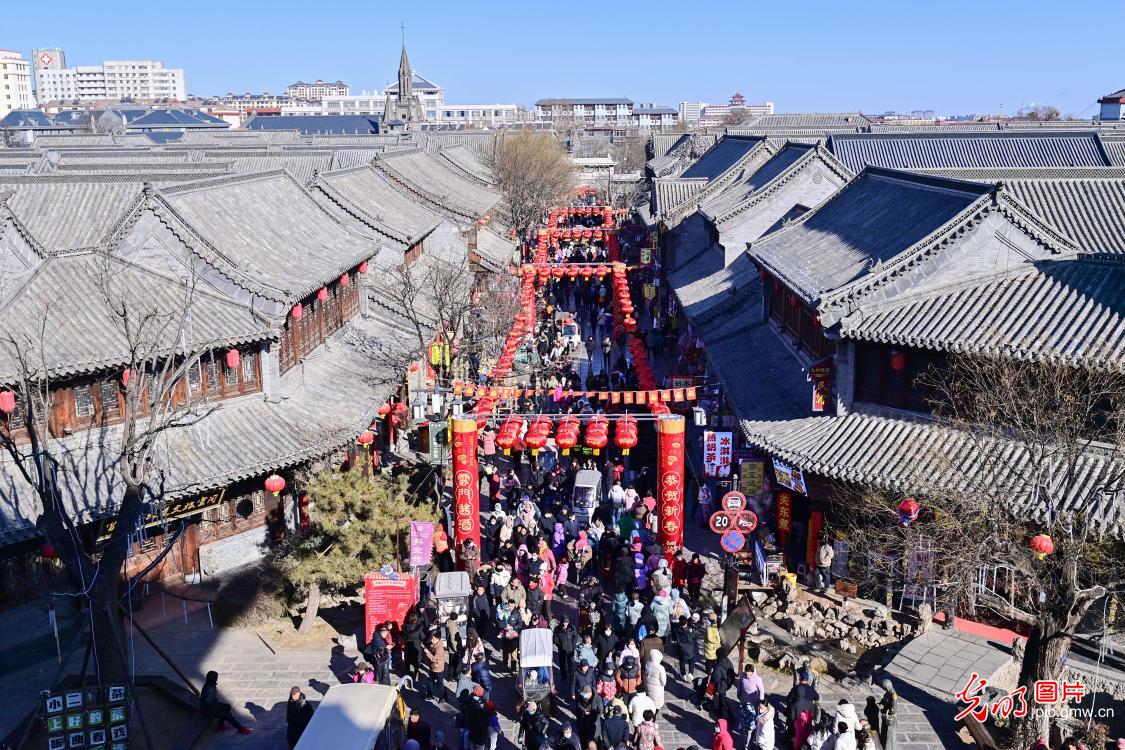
405 74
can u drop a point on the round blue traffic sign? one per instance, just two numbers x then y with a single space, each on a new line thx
732 541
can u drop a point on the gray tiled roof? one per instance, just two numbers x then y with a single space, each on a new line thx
61 304
268 234
70 213
932 150
481 143
1089 211
326 401
438 184
877 216
671 192
495 251
738 340
1115 148
466 161
662 143
808 120
739 191
722 156
385 207
1064 311
301 164
912 457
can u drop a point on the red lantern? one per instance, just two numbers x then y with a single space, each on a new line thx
625 435
566 435
898 360
509 432
303 511
126 376
297 312
558 272
602 271
572 272
776 286
275 484
366 438
363 267
597 433
383 410
7 401
1042 545
345 280
413 367
48 552
537 434
233 359
908 511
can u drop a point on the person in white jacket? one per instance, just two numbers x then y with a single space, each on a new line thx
846 714
764 733
655 678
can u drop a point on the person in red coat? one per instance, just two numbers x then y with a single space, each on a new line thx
722 739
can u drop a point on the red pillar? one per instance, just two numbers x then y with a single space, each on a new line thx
466 483
670 481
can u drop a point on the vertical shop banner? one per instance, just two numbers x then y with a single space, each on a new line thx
784 517
670 438
815 520
466 482
821 374
421 542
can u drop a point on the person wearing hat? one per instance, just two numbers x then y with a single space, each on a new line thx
712 641
799 705
566 739
298 713
683 638
533 727
535 597
566 642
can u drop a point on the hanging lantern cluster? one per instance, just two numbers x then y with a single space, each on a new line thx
1042 545
566 434
7 401
366 438
597 433
625 434
908 511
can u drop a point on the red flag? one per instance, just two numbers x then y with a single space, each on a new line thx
628 397
691 394
678 394
665 395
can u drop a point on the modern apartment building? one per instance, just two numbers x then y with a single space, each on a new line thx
112 79
317 90
690 112
15 82
607 111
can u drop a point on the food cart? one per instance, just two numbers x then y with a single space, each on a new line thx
452 591
537 681
587 495
356 716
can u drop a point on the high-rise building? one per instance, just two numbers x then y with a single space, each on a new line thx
317 90
690 111
15 82
112 79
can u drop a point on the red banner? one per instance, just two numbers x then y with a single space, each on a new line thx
670 482
784 516
814 537
466 482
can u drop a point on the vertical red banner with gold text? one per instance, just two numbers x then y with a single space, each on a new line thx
670 482
466 483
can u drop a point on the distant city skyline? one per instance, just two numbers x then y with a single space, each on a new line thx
955 57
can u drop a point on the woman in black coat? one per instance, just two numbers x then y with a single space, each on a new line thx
298 712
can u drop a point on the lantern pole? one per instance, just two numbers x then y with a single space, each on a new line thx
670 481
466 483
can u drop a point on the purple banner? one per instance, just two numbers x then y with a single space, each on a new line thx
421 542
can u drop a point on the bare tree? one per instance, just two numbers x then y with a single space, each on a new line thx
735 117
1032 448
533 173
1043 113
153 333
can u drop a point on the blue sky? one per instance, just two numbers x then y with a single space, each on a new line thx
952 56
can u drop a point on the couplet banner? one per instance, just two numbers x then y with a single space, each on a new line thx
466 482
670 481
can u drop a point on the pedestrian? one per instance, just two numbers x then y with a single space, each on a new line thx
751 688
615 729
533 727
871 713
712 641
696 570
824 557
705 504
566 739
418 730
639 706
495 731
481 674
656 677
845 737
298 712
764 737
647 736
846 714
628 677
438 662
566 642
721 739
212 708
587 715
799 705
683 638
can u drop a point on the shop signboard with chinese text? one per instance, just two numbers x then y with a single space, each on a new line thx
92 718
421 543
717 449
173 509
752 476
784 515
